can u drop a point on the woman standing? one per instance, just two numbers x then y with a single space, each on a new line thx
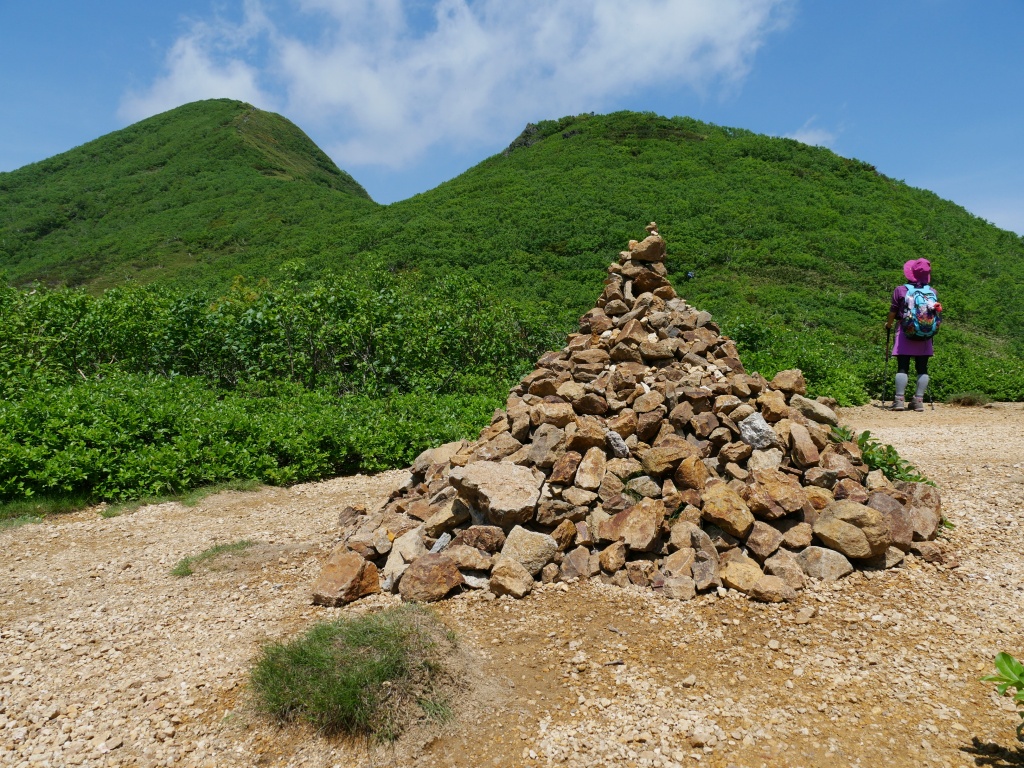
919 274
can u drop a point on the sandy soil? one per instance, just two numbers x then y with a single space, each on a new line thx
106 659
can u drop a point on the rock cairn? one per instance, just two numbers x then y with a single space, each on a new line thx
641 453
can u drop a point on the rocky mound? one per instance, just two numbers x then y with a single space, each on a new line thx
641 453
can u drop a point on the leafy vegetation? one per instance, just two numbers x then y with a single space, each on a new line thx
149 391
1010 677
878 455
362 675
265 319
184 567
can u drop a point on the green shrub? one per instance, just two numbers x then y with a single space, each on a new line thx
878 455
1010 677
364 675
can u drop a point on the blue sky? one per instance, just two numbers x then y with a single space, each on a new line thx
404 94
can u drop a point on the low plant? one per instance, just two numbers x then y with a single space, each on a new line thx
22 511
878 455
184 566
968 399
364 675
1010 677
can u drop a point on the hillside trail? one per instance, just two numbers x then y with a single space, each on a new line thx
106 659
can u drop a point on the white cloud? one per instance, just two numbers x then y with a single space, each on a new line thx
384 81
207 63
816 137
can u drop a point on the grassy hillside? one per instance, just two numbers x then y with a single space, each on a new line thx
281 325
217 184
774 230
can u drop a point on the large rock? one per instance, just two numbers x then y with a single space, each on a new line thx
857 531
791 382
925 507
346 576
497 448
650 249
724 507
406 549
530 549
564 470
691 473
763 540
506 494
448 515
590 472
664 458
547 446
814 410
489 538
786 566
757 433
824 564
442 454
774 494
468 558
429 578
897 516
509 577
706 572
578 564
741 574
772 589
613 557
638 527
804 451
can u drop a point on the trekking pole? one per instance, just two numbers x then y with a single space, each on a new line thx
885 366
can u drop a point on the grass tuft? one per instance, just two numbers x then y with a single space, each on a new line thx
22 511
367 675
969 399
184 566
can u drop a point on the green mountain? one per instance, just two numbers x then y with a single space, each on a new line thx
244 310
774 230
211 183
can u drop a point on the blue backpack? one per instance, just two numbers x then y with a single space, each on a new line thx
922 312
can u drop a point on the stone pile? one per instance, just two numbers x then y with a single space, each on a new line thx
641 453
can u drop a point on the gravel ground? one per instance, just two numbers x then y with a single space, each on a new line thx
106 659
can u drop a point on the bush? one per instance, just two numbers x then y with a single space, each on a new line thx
366 675
128 436
968 399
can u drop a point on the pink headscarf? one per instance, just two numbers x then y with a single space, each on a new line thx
918 271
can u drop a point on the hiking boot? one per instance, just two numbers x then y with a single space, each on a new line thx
899 403
917 403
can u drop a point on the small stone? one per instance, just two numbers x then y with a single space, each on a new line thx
613 557
741 575
679 588
346 576
772 589
509 577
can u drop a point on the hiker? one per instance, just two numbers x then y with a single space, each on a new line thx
914 335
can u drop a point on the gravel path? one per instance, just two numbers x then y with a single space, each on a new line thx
106 659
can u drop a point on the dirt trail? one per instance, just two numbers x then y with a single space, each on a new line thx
108 660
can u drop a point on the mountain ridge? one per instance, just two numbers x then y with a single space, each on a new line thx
793 248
